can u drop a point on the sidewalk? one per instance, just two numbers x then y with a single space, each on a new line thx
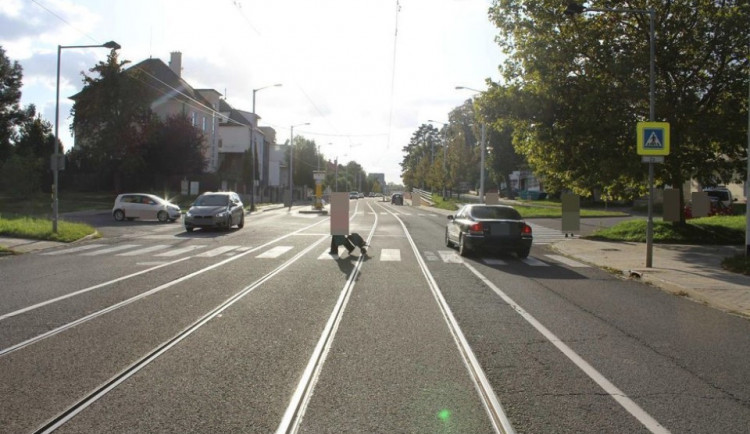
691 271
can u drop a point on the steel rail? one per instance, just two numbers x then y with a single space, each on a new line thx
495 411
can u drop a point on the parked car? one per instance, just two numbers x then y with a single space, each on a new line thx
353 195
360 195
489 227
397 199
720 194
222 209
130 206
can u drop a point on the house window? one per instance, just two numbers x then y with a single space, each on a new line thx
193 120
204 123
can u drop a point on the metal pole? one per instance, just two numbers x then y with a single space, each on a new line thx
481 167
291 166
55 163
252 157
336 176
651 117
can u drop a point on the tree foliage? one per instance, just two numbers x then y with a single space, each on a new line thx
576 87
11 114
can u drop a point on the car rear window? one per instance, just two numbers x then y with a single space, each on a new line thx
494 212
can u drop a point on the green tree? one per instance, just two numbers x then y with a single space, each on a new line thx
176 149
11 114
35 143
111 121
577 86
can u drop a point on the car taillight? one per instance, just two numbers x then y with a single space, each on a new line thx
526 229
476 228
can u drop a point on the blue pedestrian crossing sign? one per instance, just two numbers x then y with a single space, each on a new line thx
653 138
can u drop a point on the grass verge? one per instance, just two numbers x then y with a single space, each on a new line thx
41 229
717 230
737 264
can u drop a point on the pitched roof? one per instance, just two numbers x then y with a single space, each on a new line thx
166 83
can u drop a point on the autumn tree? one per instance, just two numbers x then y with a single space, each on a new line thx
575 87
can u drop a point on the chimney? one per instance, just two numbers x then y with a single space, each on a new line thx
175 62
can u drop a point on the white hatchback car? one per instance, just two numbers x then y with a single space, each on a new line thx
130 206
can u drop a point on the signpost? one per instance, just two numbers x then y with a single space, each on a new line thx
653 145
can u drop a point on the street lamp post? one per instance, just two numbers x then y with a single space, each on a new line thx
481 162
574 9
252 148
112 45
291 163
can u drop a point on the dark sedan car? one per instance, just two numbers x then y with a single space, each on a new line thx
397 199
494 228
216 210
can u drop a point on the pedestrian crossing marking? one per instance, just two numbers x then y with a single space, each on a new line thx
145 250
390 255
216 252
567 261
275 252
74 249
534 262
111 250
176 252
450 256
430 256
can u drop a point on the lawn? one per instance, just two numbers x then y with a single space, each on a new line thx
718 230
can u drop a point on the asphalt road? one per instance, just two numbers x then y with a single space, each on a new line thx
152 329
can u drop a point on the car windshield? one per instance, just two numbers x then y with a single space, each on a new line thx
212 200
494 212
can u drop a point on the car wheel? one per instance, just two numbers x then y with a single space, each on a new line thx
241 224
162 216
463 249
448 242
523 253
189 228
119 215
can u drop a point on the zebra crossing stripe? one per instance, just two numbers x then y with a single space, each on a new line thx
275 252
430 256
111 250
74 249
216 252
390 254
186 249
450 256
534 262
567 261
145 250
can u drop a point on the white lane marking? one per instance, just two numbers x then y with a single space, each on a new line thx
498 418
145 250
534 262
111 249
159 237
176 252
390 254
75 249
430 256
383 213
493 261
450 256
567 261
616 394
275 252
81 291
145 294
216 252
150 263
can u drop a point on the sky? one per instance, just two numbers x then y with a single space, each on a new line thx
364 73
